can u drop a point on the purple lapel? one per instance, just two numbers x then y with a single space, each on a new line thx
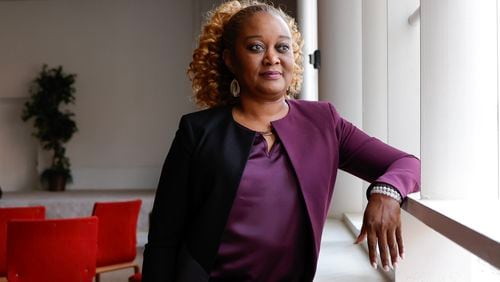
308 143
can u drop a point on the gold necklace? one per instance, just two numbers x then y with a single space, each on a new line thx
266 133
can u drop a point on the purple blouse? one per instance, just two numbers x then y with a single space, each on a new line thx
265 236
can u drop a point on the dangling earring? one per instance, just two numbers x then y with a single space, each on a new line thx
235 88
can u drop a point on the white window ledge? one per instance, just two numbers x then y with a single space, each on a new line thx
354 221
474 225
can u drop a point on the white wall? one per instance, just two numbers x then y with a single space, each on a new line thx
307 17
391 73
340 82
370 71
459 99
403 63
459 131
130 58
430 256
375 72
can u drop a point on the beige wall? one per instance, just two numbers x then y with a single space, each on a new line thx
130 58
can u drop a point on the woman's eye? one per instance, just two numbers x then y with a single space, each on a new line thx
256 48
283 48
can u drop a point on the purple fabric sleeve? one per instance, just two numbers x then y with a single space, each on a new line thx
375 161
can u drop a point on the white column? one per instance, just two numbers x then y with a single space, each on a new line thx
459 99
403 62
307 17
340 80
375 72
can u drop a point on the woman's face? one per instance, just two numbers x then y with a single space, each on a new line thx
263 59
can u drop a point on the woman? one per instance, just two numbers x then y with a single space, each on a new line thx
246 186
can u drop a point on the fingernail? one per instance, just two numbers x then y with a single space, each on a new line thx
395 265
386 268
374 265
403 256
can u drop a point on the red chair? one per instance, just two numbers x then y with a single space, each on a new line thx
116 243
53 250
137 277
7 214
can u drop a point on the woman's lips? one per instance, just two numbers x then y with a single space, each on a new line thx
271 74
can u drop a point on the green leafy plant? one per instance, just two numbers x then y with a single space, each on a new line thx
53 127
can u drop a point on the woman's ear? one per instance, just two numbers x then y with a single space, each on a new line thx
226 56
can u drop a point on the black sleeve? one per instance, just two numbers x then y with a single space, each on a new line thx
167 220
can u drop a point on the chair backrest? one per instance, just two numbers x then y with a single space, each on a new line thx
52 250
7 214
116 241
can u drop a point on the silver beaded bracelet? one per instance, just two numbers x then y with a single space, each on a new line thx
386 190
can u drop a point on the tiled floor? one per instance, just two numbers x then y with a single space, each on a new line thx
340 260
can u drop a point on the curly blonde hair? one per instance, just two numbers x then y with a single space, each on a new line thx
209 75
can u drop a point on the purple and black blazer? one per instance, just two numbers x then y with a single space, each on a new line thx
204 165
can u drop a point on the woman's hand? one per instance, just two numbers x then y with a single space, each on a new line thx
382 226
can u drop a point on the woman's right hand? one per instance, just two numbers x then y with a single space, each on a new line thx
382 227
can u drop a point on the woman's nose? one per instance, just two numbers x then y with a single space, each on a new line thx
271 58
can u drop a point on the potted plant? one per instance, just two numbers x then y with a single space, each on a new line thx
53 127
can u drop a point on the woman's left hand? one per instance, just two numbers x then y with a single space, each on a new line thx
382 227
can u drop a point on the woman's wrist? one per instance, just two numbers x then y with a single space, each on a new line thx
387 190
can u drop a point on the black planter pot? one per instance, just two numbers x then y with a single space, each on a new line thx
56 182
